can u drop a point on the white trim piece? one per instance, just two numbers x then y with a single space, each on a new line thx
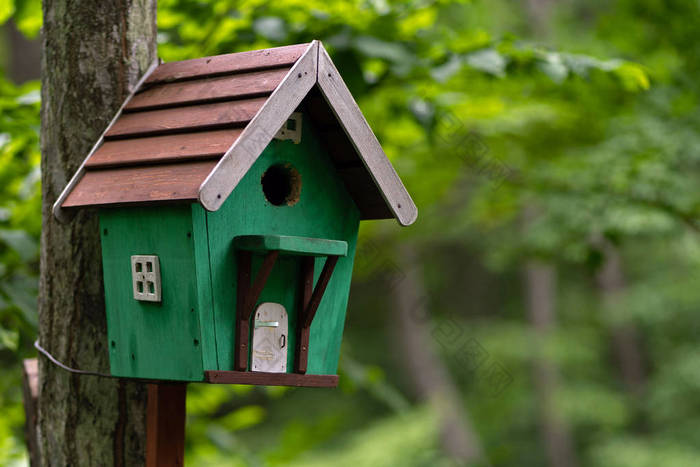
257 134
287 134
350 116
61 214
145 273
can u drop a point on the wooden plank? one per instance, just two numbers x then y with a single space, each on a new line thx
205 300
301 352
172 182
319 289
234 165
206 116
244 270
159 149
287 244
208 89
259 284
271 379
165 425
229 63
141 334
364 140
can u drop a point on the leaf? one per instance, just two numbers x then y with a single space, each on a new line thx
9 339
553 66
20 242
423 110
22 293
29 17
633 77
448 69
32 97
7 8
391 51
244 417
271 27
488 61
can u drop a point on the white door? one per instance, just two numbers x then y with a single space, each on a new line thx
270 338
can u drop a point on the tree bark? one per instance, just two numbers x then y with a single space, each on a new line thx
429 375
93 53
540 294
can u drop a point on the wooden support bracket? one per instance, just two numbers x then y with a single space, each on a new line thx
319 290
310 296
301 354
246 298
309 304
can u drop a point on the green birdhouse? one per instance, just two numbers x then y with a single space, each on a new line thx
230 190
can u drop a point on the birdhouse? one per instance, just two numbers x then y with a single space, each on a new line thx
230 190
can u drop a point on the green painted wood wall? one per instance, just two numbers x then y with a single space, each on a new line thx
146 339
324 210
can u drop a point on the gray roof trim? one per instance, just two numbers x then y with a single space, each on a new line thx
363 139
260 130
314 67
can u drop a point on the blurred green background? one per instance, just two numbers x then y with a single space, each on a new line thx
540 312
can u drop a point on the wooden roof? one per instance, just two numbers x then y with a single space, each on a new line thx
192 129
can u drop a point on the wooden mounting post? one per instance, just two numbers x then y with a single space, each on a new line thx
165 425
310 300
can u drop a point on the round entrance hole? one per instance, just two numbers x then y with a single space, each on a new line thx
281 184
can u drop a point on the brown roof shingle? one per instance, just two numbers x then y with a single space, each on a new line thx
180 121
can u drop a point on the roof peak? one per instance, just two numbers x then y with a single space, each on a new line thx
235 104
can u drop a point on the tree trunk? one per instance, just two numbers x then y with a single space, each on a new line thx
625 336
430 378
93 52
540 293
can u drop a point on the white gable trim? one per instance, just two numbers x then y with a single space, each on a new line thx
363 139
315 66
260 130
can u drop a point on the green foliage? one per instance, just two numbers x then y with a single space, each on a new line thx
589 126
25 13
20 225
